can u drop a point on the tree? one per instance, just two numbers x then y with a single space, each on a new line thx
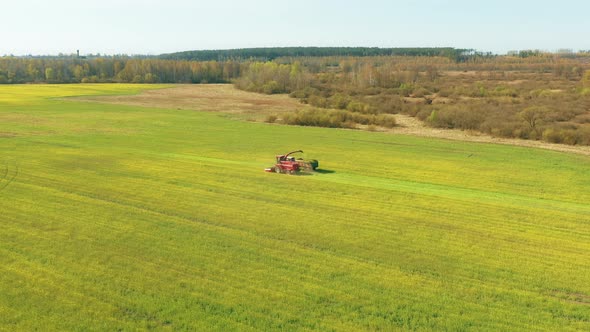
33 72
78 73
49 74
533 116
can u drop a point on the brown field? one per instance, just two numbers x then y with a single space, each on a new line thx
210 98
250 106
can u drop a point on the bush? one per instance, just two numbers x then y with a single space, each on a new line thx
423 114
420 92
500 91
584 135
271 87
339 101
385 120
460 118
360 107
552 135
405 89
387 104
337 119
317 101
445 92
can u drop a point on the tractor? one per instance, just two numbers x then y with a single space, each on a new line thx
285 163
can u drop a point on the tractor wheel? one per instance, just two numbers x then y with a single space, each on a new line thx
277 170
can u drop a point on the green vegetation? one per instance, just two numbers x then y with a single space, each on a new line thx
122 218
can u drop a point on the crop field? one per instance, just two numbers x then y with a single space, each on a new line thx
116 217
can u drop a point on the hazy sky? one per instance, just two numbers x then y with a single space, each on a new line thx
160 26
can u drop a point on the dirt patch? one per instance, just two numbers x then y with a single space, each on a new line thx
441 100
207 97
414 100
515 82
252 106
411 126
4 134
455 73
577 298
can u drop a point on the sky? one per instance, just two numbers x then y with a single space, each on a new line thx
43 27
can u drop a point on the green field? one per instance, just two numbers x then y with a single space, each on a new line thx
122 218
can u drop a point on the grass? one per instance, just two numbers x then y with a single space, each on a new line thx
121 218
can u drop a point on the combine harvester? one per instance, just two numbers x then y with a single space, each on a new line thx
287 164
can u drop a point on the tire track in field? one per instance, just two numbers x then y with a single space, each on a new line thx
8 175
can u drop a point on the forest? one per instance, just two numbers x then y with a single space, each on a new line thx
527 94
271 53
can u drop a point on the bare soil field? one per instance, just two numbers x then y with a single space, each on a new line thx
226 98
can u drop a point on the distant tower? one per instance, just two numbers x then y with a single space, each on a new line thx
78 53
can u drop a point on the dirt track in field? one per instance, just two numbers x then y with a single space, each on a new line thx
412 126
252 106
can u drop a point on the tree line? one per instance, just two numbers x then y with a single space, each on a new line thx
14 70
271 53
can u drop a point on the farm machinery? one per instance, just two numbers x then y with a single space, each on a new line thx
287 164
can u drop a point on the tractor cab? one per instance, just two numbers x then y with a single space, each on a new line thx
283 157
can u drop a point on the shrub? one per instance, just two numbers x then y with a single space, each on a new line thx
337 119
584 135
305 92
460 118
405 89
423 114
317 101
339 101
504 91
445 92
420 92
360 107
385 120
271 87
552 135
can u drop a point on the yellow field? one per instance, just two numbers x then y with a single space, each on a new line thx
122 217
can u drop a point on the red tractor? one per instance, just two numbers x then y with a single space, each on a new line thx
289 165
